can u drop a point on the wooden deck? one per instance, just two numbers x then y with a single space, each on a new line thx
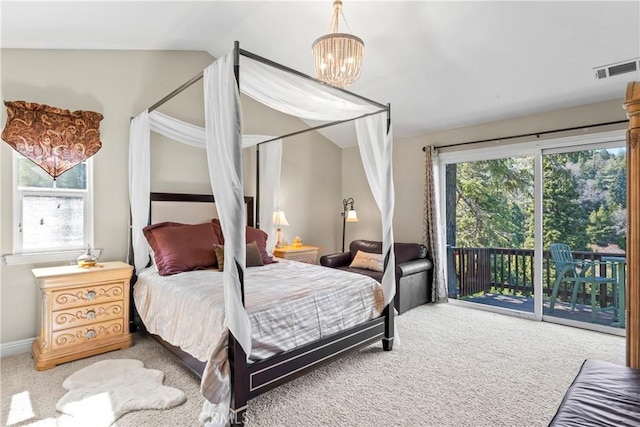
582 313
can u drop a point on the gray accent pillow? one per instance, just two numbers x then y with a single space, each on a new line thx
254 259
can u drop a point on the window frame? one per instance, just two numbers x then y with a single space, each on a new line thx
18 196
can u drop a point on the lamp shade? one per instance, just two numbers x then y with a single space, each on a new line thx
351 216
279 218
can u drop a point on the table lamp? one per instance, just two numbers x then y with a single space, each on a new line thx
279 220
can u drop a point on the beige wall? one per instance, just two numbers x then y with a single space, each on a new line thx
408 164
310 182
120 84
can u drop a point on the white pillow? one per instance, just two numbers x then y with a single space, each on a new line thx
368 261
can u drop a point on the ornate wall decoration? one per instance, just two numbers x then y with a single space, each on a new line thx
53 138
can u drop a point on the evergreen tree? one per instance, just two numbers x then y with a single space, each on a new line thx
600 229
563 219
491 198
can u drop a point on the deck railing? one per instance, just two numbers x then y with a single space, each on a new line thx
483 270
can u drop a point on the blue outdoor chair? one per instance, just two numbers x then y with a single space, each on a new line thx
576 272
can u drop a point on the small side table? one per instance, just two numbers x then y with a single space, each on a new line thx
619 270
306 254
83 312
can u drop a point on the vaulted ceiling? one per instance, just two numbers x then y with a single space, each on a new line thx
441 64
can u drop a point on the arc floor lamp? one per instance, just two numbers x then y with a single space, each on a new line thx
348 215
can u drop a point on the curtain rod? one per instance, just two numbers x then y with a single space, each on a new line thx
536 134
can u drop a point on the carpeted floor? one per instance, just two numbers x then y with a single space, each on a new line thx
455 367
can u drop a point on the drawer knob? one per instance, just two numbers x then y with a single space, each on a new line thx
91 295
91 333
91 314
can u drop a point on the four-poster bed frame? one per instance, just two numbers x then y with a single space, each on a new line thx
249 380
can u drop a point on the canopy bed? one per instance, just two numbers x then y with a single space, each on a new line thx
232 373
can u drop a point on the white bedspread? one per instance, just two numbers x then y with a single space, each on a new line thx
289 304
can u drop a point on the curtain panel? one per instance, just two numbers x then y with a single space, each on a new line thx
53 138
432 224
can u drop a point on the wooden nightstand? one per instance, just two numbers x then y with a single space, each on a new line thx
308 254
84 312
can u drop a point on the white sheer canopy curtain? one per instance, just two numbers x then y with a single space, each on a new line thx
223 126
376 148
270 161
223 130
298 96
139 186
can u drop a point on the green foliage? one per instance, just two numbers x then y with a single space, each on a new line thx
584 201
563 217
600 229
491 200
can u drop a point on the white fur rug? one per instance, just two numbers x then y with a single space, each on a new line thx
103 392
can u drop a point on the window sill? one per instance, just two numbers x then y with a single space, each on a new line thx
37 258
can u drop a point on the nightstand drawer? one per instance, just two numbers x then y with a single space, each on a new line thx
78 297
96 331
81 316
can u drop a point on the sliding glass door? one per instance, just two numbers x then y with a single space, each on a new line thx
539 230
584 214
490 232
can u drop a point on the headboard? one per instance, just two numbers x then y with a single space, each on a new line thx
189 208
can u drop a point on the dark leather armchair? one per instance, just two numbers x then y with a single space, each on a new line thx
413 270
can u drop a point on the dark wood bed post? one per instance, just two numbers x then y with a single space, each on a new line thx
239 382
389 319
237 356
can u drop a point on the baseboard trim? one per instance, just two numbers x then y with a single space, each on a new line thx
16 347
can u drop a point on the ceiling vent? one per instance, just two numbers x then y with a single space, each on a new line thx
617 69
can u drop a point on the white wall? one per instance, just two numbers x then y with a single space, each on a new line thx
120 84
409 164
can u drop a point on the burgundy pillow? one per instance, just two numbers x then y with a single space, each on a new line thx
181 247
252 235
217 230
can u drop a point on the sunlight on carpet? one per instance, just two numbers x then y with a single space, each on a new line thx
20 409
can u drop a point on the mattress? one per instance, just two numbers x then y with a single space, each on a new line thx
289 304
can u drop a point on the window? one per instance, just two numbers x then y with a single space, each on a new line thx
51 216
505 207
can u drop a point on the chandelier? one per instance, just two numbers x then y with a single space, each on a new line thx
338 56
